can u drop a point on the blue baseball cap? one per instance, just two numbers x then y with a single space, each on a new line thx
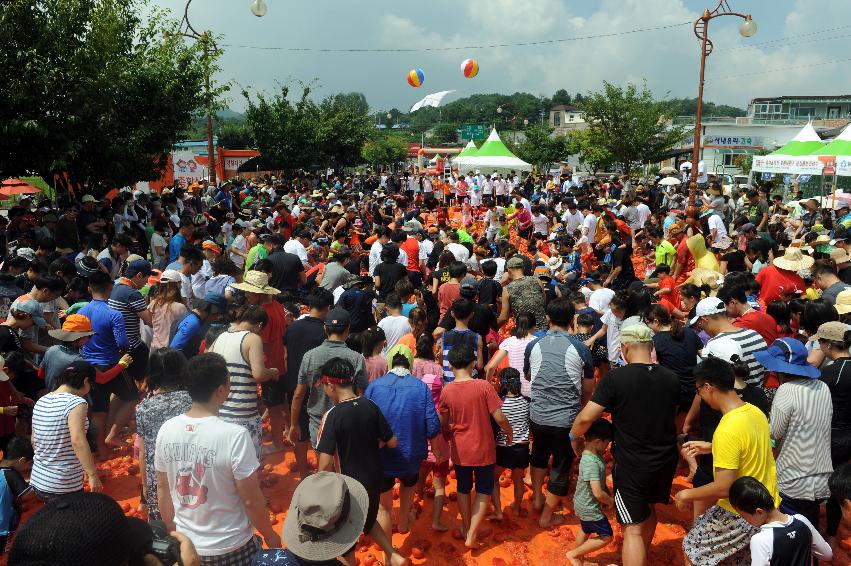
34 309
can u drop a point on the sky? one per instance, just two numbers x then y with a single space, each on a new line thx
798 50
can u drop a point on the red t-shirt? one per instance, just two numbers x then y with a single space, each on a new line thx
273 337
412 248
762 323
774 283
673 297
468 405
447 294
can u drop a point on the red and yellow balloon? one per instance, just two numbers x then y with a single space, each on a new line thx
416 78
470 68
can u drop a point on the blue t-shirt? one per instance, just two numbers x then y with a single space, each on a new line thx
408 405
110 338
174 246
188 335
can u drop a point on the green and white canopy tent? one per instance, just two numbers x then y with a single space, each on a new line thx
469 150
840 148
493 155
799 155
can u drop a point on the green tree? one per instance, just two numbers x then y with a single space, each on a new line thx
91 90
560 97
540 148
629 124
745 161
387 150
592 156
233 134
443 133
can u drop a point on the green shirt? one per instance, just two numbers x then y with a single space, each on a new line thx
256 253
585 505
665 253
464 237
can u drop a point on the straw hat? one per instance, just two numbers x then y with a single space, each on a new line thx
75 326
256 282
793 260
839 256
843 302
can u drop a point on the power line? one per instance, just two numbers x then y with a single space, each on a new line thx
782 39
457 47
778 69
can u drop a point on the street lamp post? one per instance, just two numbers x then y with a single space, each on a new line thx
185 29
701 30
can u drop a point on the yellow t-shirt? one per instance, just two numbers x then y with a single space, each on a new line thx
742 442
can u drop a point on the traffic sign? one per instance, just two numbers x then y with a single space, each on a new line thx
473 131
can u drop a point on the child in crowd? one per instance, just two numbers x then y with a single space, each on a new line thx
666 288
17 459
354 430
583 330
373 342
429 372
592 493
394 324
513 457
465 409
611 329
782 540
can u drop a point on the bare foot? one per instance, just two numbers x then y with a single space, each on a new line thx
555 520
574 561
495 517
406 527
439 527
473 544
397 559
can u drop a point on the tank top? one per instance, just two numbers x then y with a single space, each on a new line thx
241 403
56 468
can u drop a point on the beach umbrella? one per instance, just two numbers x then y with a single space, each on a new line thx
668 181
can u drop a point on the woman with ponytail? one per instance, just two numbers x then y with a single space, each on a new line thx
677 348
515 347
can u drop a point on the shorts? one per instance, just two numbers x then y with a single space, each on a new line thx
513 457
242 556
122 386
483 477
254 427
273 393
387 482
47 497
438 469
552 441
636 491
601 527
139 367
719 536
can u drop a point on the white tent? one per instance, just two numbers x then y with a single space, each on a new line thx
493 155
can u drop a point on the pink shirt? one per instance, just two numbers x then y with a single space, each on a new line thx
376 366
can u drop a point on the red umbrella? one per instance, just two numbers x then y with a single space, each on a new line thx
14 186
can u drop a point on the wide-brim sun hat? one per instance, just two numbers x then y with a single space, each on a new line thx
314 505
787 356
843 302
793 260
256 282
76 326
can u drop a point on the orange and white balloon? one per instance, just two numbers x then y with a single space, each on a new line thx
470 68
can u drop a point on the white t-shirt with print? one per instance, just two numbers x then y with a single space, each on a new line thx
204 458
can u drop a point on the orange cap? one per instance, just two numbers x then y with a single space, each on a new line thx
77 323
212 246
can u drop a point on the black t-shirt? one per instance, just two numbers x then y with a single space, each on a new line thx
643 400
390 273
352 429
358 303
489 292
679 356
286 268
442 276
845 275
10 341
837 376
709 419
735 261
622 257
301 336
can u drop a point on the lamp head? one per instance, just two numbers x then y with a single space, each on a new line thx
748 27
259 8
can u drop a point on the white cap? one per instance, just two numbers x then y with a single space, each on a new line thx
707 306
722 347
171 276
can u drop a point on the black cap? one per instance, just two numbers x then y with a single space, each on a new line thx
338 319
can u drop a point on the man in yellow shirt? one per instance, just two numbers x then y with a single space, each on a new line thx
741 446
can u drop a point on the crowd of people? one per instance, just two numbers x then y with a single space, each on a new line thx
496 330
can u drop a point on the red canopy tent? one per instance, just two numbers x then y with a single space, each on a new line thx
13 186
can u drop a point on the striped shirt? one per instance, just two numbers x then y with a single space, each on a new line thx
516 410
749 341
241 403
129 302
56 468
800 424
449 339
